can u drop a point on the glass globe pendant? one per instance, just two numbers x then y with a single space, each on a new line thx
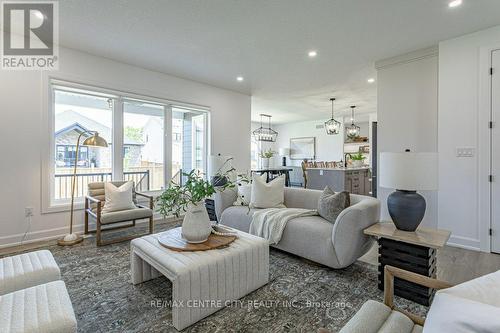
352 132
332 126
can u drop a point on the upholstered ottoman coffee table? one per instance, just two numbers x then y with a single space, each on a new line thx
203 282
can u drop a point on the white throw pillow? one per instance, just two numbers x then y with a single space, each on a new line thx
244 194
267 195
118 198
452 314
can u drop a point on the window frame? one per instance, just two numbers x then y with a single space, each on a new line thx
49 151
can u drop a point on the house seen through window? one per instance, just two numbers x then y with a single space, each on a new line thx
142 149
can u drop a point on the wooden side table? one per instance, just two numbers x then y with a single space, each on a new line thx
414 251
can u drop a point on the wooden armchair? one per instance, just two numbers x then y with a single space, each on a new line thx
391 272
358 323
93 207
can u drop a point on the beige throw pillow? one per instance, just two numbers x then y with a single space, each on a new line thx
267 195
118 198
331 204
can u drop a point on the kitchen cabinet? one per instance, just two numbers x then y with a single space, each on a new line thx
353 180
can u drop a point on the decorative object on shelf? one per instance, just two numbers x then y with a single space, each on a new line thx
406 173
266 134
284 152
364 149
357 140
352 132
357 160
92 141
265 156
190 199
332 126
303 148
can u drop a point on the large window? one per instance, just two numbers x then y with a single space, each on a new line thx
74 115
189 149
135 131
143 140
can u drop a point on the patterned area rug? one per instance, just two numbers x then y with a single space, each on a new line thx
301 296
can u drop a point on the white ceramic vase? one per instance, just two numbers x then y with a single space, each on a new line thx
265 163
196 226
357 163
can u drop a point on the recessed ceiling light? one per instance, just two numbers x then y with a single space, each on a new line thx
370 80
312 54
239 78
454 3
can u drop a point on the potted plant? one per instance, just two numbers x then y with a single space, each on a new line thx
190 199
265 155
357 160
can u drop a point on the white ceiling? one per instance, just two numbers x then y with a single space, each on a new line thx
266 41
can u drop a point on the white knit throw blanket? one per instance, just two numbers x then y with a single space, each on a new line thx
269 223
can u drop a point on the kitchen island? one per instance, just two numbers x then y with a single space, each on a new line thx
356 180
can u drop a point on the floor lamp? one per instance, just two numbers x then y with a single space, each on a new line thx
93 141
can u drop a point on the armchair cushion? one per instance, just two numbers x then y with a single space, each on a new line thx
126 215
377 317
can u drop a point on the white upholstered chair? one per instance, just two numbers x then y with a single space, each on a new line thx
472 306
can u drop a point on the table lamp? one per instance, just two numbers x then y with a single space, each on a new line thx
93 141
284 152
408 172
217 165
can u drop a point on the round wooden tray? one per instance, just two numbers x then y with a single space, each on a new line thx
172 239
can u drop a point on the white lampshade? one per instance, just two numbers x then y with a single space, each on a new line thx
217 164
284 151
409 171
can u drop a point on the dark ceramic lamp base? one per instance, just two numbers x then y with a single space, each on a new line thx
407 209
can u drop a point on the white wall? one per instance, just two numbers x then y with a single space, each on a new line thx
407 113
22 128
328 147
463 185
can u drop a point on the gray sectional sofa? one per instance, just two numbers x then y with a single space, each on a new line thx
336 245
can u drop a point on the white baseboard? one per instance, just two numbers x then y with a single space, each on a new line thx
464 243
37 236
48 234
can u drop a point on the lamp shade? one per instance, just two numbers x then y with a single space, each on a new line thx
284 151
95 141
409 171
218 164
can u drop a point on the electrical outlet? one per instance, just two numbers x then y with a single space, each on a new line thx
28 211
465 152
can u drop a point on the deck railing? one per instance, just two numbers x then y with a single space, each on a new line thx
63 182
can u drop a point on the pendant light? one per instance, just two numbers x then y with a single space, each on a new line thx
332 126
352 131
266 134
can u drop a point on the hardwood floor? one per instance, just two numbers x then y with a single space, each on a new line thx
454 265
